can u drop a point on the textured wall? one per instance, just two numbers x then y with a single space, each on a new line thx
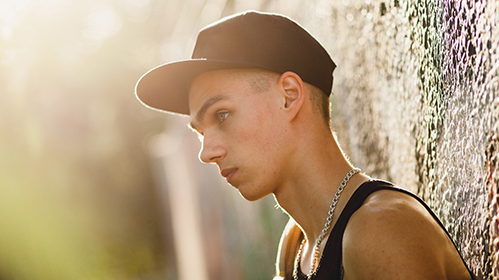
416 101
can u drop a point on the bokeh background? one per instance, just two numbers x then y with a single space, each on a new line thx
93 185
81 181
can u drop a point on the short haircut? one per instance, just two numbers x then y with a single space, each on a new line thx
261 80
321 102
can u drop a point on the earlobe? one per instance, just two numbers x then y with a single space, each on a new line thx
292 88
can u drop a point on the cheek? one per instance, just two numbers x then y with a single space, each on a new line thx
258 127
258 136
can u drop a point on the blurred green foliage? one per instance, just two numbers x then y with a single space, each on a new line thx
78 194
77 200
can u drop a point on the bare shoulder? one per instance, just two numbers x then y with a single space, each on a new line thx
393 236
288 247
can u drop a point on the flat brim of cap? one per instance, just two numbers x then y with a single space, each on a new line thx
166 87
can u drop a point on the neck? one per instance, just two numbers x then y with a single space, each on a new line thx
307 193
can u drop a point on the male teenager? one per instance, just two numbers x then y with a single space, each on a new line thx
257 91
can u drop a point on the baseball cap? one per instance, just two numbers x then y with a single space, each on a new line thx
245 40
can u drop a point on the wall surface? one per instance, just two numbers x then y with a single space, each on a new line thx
416 101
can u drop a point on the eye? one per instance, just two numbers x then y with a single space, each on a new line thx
222 116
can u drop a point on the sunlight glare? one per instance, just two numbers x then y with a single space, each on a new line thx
9 15
138 10
8 8
211 12
102 23
139 3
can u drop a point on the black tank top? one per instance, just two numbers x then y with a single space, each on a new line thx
332 254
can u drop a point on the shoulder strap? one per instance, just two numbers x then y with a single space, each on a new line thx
288 248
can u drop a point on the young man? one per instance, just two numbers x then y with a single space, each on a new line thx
257 91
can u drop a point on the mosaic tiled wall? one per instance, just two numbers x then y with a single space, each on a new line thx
416 101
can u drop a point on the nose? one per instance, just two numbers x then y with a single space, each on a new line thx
211 150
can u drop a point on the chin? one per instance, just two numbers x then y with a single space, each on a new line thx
251 191
251 196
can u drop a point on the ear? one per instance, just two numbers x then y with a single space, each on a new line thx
293 93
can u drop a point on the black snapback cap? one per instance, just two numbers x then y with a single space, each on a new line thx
245 40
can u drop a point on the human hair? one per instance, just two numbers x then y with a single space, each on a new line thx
260 80
321 102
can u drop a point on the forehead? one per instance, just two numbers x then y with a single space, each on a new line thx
223 83
210 81
258 80
212 87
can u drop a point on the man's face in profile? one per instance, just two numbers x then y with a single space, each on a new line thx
239 130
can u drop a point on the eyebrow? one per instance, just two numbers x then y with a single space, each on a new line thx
206 105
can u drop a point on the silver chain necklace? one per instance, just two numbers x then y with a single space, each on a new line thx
315 265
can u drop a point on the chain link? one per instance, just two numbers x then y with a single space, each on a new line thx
329 219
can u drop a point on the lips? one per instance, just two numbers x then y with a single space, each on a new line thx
228 172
